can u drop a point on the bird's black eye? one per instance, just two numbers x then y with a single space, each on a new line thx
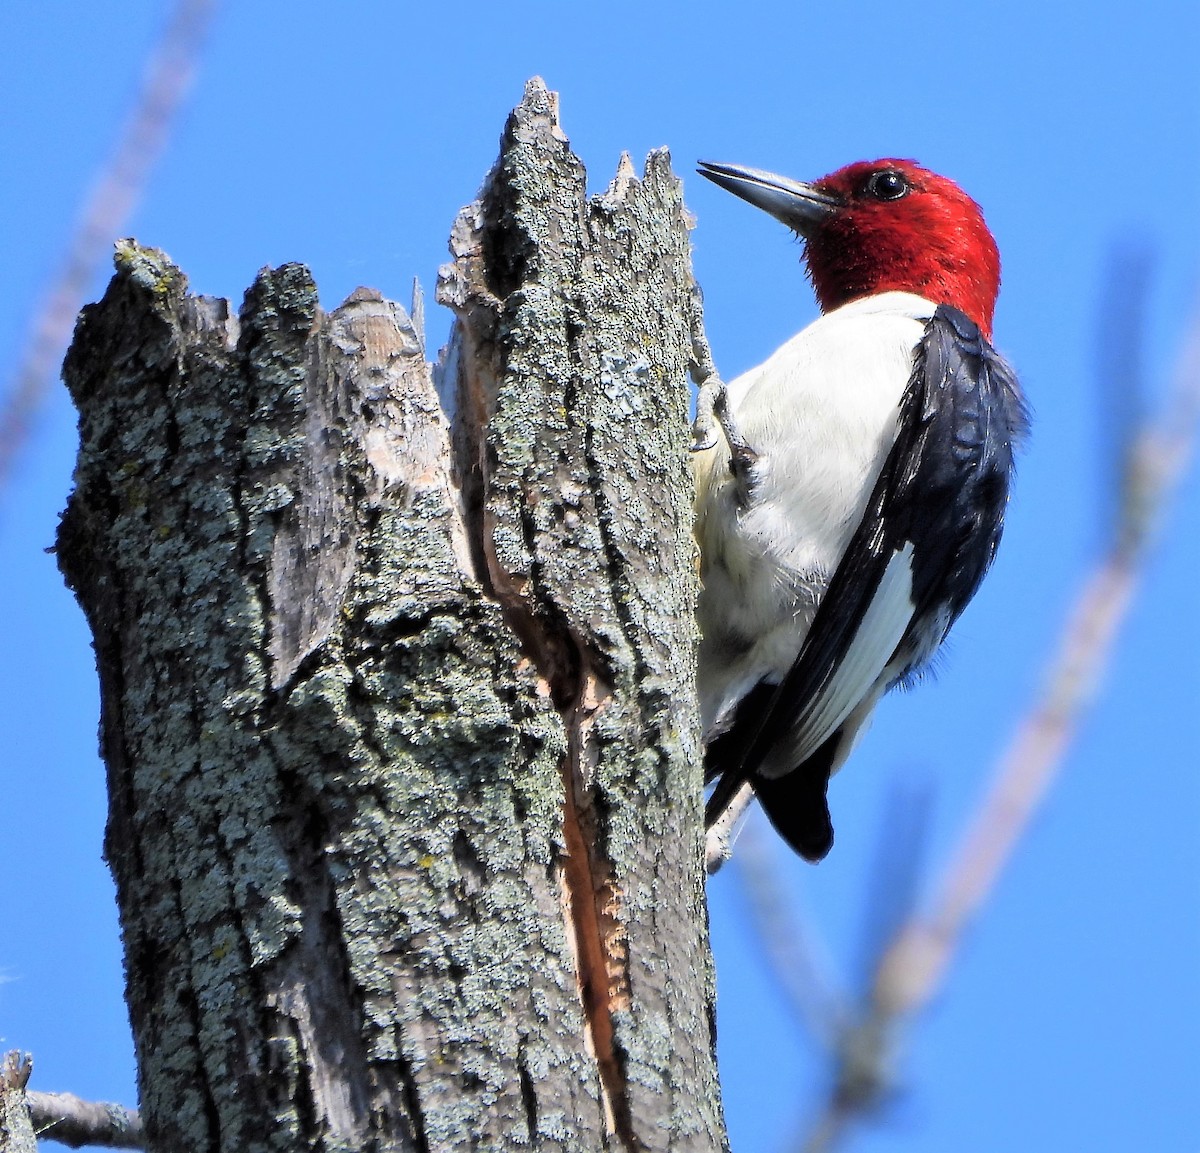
886 185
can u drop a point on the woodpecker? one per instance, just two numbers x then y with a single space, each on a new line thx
851 490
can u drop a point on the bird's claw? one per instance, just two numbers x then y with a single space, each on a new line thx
704 427
742 456
712 405
713 412
704 373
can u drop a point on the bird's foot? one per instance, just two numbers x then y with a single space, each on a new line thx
713 412
742 458
704 373
704 427
712 404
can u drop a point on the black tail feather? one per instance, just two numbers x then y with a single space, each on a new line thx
796 805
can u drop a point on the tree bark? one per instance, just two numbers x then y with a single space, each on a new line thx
16 1125
397 700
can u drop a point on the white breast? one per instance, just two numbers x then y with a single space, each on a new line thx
821 415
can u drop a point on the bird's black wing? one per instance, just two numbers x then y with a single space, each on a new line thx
928 536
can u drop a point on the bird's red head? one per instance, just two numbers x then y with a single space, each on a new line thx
902 227
880 226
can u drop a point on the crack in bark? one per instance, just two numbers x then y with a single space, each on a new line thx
565 667
589 894
601 952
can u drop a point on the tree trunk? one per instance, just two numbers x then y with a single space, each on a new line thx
398 708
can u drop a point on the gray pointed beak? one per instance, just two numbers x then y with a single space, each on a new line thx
800 206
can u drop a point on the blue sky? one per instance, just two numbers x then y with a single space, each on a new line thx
347 137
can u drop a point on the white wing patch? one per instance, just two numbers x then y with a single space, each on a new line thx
881 630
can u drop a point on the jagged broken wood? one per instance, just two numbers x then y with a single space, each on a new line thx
397 709
16 1126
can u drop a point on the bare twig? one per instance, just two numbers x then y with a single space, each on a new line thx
71 1121
798 959
168 76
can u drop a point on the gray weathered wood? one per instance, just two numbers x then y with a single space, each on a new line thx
398 710
16 1127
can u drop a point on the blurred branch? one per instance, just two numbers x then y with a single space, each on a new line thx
796 956
1120 374
71 1121
913 965
168 76
898 870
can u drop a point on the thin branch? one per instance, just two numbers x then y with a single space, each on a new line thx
71 1121
826 1133
168 77
797 957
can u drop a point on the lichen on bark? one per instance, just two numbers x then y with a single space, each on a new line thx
397 708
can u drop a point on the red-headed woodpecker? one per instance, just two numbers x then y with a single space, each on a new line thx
855 496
